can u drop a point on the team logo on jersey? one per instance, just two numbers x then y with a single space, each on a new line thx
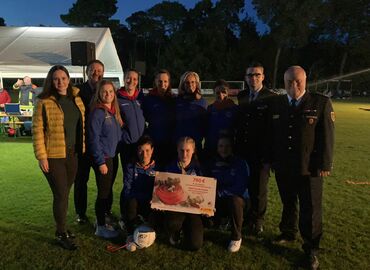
276 116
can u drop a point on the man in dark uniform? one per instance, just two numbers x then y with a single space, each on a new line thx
95 73
250 134
301 153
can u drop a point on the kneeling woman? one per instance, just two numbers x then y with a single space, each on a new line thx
104 129
138 186
58 132
232 176
190 224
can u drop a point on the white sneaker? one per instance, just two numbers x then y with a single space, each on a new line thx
106 231
234 246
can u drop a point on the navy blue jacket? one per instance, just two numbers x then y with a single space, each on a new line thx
219 120
132 117
191 119
138 182
104 133
159 114
232 176
192 169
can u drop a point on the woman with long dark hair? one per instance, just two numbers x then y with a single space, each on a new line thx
58 136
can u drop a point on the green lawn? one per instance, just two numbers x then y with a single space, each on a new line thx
27 230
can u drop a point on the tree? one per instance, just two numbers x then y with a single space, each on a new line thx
2 22
290 23
348 25
93 13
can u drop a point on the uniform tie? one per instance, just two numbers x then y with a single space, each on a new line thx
293 102
252 95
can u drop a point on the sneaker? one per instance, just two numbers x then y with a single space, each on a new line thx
234 245
106 231
65 241
284 238
81 219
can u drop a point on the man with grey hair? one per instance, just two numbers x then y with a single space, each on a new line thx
301 153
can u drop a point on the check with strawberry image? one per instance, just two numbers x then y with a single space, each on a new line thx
184 193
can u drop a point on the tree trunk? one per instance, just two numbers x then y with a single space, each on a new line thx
276 65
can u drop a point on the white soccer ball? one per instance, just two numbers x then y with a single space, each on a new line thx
144 236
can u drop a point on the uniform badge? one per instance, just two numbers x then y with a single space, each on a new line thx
332 116
310 121
276 116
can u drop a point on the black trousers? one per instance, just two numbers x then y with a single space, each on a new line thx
232 208
190 224
258 190
131 209
62 172
104 183
80 184
80 187
307 191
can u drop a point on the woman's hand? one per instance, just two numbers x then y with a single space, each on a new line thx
44 165
103 169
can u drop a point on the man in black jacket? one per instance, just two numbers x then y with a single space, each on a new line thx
95 73
301 153
250 136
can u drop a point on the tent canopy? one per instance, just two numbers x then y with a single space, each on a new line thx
32 51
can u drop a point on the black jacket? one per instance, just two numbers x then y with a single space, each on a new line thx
251 124
302 137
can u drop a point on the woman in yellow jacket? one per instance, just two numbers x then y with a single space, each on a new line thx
58 136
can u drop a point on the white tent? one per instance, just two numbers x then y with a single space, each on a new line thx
32 51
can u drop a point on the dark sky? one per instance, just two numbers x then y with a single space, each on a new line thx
47 12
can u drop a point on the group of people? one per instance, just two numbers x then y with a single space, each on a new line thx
76 128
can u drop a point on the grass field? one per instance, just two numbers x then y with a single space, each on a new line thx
27 230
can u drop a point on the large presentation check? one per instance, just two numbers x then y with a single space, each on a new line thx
184 193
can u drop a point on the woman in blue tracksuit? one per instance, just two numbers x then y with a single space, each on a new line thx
138 185
190 224
158 107
232 175
104 129
129 100
221 117
191 110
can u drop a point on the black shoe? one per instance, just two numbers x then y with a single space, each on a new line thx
258 230
313 262
81 219
70 234
65 241
284 238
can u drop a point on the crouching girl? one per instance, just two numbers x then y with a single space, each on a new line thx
138 186
232 176
190 224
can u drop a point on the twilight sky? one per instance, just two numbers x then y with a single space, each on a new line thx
47 12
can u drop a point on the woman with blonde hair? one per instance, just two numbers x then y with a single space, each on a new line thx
190 224
190 109
58 136
104 133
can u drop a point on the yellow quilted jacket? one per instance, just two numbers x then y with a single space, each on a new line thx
48 128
